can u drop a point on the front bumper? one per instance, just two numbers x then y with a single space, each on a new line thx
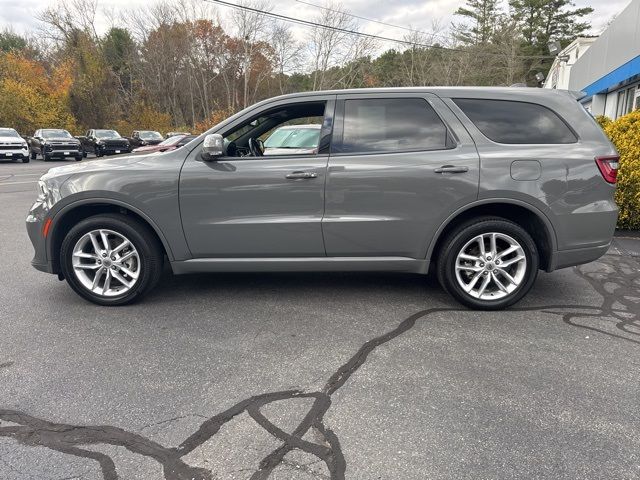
112 149
17 154
70 152
35 222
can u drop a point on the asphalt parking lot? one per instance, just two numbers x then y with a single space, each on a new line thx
314 376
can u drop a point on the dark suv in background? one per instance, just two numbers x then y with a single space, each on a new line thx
483 186
104 142
53 143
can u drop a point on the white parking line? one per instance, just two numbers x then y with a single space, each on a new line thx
16 183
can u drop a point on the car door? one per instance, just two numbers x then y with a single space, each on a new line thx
400 165
253 207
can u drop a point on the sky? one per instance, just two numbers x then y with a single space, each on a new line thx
19 15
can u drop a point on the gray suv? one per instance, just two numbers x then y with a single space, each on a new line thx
481 186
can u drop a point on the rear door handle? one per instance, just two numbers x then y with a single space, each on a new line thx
451 169
301 175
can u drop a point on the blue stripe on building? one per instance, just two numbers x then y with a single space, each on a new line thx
625 73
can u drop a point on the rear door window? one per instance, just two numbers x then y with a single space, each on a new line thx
391 125
506 121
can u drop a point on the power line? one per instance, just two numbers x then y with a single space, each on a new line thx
308 23
380 22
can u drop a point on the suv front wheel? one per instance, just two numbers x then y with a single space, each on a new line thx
488 263
111 259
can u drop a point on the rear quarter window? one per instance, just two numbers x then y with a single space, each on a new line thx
506 121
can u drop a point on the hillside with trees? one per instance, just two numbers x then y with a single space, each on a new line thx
178 64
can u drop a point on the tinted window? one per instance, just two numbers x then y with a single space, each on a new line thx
391 125
505 121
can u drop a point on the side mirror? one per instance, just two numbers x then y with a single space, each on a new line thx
213 147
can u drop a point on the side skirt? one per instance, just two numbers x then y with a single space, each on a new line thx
306 264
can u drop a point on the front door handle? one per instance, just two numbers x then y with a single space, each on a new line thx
451 169
301 175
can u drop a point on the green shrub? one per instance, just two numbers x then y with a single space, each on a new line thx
625 135
603 121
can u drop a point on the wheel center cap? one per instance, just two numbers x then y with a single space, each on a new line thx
106 262
490 266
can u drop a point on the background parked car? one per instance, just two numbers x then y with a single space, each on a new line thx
54 143
171 143
142 138
104 142
290 139
13 146
175 134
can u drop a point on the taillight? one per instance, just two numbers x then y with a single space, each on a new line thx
608 167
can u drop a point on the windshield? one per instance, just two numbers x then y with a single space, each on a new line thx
294 138
107 134
56 134
8 132
150 136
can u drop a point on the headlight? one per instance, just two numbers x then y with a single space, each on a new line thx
46 195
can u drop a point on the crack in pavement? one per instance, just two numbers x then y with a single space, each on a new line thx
68 439
7 364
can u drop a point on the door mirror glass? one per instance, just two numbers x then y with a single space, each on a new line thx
213 147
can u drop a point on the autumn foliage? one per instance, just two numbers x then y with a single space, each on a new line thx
31 97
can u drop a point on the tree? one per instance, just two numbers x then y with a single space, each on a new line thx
543 20
119 51
32 99
11 42
484 16
287 53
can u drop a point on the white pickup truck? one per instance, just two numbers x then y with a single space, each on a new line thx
13 146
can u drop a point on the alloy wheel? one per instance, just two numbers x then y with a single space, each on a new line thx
106 263
491 266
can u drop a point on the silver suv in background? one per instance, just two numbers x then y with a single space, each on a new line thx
482 186
13 146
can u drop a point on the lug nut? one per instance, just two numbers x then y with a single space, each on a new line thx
99 262
482 265
113 258
488 257
485 273
497 262
113 267
104 254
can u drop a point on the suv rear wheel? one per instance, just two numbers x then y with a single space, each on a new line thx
111 259
488 263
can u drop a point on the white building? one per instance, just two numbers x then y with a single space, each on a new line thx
609 71
560 70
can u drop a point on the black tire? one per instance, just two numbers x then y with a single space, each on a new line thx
84 154
25 159
458 238
46 158
143 239
78 158
98 153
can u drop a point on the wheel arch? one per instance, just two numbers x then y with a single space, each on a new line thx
534 221
79 210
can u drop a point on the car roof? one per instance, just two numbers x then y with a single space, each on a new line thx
473 92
